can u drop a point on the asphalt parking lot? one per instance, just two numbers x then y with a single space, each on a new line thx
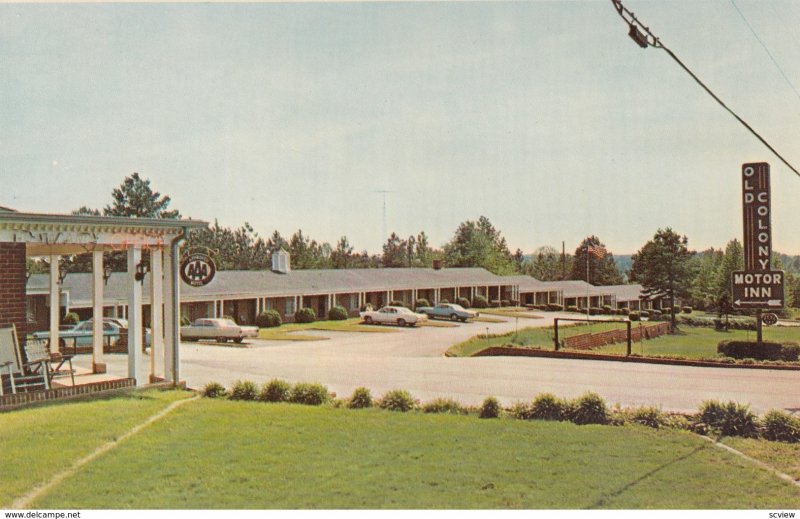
412 359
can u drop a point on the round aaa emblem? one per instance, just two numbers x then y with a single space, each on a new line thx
198 269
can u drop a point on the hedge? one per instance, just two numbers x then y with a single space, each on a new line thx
767 351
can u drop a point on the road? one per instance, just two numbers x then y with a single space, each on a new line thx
412 359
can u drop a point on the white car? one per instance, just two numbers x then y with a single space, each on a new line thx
399 315
220 330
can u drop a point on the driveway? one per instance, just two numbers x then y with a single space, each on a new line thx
412 359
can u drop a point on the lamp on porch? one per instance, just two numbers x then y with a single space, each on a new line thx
107 271
141 270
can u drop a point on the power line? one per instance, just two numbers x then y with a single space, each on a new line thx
651 40
765 49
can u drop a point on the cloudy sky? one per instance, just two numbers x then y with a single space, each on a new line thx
543 116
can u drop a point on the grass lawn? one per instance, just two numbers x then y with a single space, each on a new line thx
532 337
211 454
696 342
783 456
509 311
40 442
289 332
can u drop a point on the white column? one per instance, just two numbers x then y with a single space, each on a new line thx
134 314
170 320
98 366
156 313
55 304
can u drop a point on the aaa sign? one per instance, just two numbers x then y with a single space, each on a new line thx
198 269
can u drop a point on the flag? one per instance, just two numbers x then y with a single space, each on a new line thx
598 251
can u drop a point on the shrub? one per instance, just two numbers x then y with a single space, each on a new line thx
444 302
780 426
244 390
687 309
649 416
214 390
444 405
463 301
505 302
479 302
595 310
521 411
309 394
768 350
607 310
573 308
71 318
305 315
337 313
421 302
397 303
625 310
548 407
268 319
276 390
730 419
185 321
397 400
645 314
634 316
494 303
554 307
490 408
588 409
361 399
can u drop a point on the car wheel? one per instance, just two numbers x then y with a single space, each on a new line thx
368 320
463 319
453 317
238 340
401 322
222 339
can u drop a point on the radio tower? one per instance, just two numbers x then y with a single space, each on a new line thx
385 231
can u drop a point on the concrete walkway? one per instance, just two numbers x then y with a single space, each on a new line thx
411 359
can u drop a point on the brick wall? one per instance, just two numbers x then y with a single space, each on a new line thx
589 341
12 287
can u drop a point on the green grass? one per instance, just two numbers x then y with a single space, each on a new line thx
541 337
509 311
288 332
38 443
698 343
212 454
782 456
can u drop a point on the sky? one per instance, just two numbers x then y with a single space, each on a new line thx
543 116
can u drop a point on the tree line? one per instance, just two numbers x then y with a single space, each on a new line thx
665 266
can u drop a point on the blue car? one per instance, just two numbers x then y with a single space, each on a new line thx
81 334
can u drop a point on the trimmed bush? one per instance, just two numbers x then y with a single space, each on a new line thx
361 399
337 313
730 419
276 390
554 307
397 303
421 302
490 408
590 408
480 302
505 302
548 407
398 400
573 308
244 390
444 405
309 394
305 315
687 309
646 314
185 321
751 350
634 316
780 426
649 416
214 390
607 310
595 310
71 318
463 301
625 311
268 319
444 302
521 411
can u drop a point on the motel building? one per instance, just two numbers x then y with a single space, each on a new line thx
26 235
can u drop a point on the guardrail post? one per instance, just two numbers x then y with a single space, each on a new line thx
629 338
555 325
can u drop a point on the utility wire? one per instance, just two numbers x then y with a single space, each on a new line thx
645 41
765 49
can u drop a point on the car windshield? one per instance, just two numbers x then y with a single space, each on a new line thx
456 307
404 310
227 322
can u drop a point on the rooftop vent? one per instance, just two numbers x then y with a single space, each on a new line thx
280 262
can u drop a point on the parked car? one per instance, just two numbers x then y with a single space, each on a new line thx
81 334
220 330
399 315
448 311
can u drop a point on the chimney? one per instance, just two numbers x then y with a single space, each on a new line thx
280 262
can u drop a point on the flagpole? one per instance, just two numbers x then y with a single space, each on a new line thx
588 302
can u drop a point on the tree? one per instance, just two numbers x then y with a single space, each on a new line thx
342 255
277 242
135 198
395 252
705 267
233 249
305 253
86 211
423 252
662 267
732 260
594 264
547 264
479 244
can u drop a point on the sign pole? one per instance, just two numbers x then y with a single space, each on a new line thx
759 337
